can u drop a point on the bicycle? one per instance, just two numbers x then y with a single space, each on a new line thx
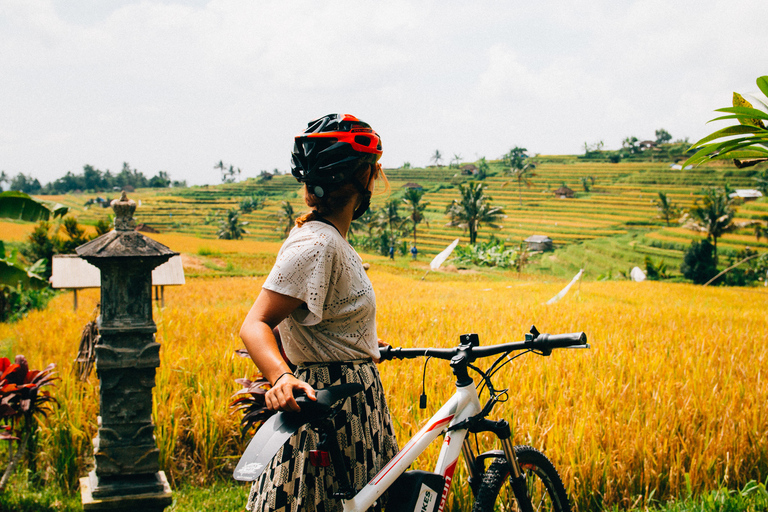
532 480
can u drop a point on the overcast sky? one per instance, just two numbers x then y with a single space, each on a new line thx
179 85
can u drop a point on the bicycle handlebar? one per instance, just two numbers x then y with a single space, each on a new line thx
543 342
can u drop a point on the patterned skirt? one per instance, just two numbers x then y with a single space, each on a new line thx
366 438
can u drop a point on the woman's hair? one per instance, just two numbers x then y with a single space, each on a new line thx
340 198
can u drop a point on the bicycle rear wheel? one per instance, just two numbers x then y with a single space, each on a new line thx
545 488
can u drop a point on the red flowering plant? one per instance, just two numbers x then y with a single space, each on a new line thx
250 401
22 399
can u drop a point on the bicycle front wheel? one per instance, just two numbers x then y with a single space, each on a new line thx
545 488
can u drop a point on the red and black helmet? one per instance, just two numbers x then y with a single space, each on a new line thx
332 148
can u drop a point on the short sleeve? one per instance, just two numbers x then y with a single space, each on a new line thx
304 270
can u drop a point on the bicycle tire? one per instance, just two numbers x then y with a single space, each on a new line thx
545 487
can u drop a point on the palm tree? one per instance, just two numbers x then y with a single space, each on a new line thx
715 215
287 217
667 209
412 198
520 170
437 157
473 209
231 228
456 160
391 215
483 168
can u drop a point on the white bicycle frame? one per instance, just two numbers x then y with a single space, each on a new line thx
462 405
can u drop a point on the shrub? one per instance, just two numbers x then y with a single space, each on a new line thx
492 253
22 400
699 262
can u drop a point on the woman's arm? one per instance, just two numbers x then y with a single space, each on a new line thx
269 310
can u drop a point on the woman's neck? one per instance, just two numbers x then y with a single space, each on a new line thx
342 219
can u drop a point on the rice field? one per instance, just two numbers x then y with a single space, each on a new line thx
619 205
669 400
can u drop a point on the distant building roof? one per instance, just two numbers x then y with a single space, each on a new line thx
538 239
411 184
747 193
564 191
70 271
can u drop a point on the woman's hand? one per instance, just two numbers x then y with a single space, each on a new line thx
281 396
382 344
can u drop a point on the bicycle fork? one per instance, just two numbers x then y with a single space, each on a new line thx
516 476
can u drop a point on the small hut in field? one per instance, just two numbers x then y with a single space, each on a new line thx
539 243
564 193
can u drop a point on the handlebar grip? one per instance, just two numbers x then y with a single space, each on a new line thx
561 340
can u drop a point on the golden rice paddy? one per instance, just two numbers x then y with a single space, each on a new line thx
672 390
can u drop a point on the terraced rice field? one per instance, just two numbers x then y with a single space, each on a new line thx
616 220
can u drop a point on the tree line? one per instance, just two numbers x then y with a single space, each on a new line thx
91 179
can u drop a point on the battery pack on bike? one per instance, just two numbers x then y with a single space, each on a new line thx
417 491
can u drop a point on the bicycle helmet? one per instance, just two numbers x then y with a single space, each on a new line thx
327 153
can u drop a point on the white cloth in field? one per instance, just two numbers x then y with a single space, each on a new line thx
319 267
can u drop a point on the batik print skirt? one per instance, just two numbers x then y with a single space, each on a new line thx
366 438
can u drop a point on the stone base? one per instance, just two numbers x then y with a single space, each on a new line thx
124 497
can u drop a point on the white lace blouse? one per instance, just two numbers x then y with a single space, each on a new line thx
318 266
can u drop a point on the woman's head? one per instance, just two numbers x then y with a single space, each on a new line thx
336 158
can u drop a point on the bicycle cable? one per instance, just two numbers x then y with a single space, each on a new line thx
423 396
495 367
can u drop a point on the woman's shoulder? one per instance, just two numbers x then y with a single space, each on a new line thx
313 234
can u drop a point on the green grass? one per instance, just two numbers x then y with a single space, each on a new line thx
603 257
220 497
231 497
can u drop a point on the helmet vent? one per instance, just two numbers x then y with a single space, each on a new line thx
363 140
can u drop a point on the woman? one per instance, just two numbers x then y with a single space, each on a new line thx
321 300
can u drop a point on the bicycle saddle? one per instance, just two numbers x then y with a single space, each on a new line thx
274 432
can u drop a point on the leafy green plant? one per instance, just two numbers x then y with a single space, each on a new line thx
492 253
22 400
655 271
747 140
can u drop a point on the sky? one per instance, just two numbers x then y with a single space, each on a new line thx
180 85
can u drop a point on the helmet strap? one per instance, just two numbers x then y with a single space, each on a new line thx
365 199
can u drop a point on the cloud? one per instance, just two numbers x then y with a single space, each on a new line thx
180 85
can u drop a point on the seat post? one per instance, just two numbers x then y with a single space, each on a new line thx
328 442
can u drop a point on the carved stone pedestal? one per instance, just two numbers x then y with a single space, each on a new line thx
127 474
123 493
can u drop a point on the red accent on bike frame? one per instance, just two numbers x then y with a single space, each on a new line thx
405 450
448 479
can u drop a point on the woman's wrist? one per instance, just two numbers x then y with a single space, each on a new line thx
280 377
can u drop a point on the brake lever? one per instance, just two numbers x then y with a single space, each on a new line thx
580 346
